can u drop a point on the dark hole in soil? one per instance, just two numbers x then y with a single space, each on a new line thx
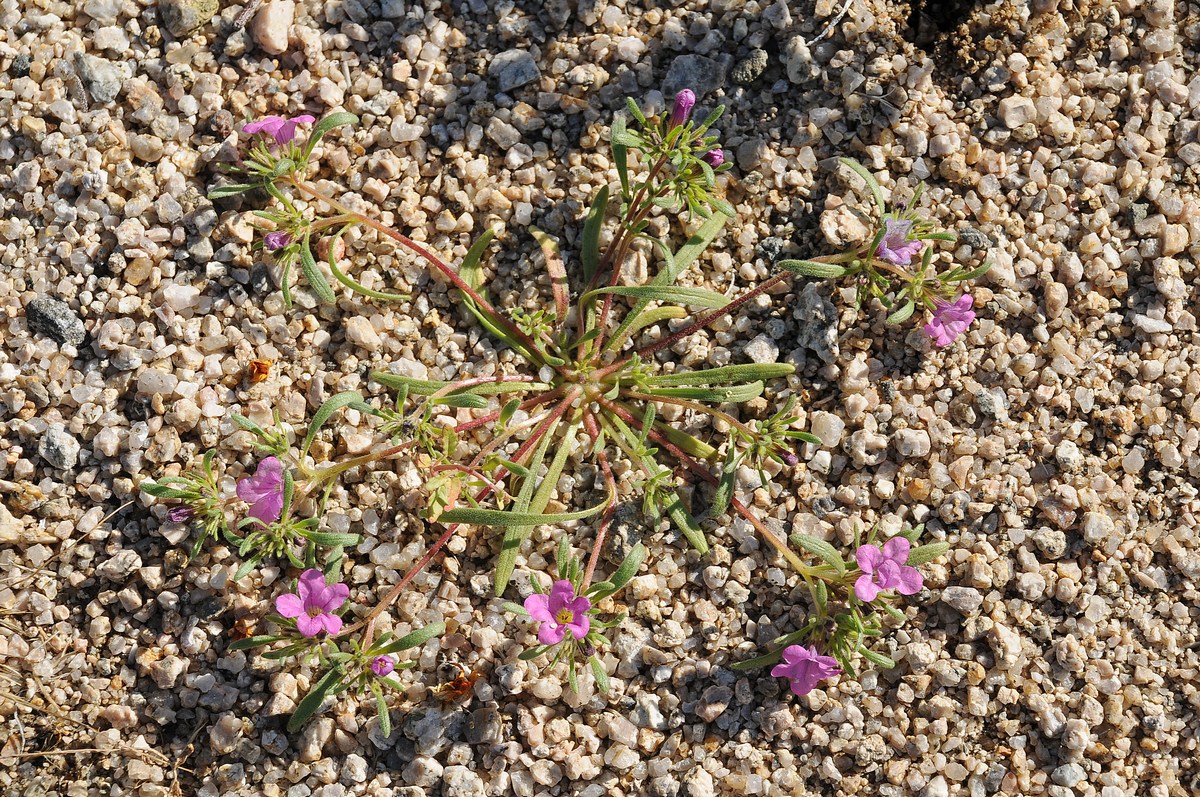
930 20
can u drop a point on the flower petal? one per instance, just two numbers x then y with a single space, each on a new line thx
561 595
865 589
887 576
335 595
551 633
580 605
309 626
910 581
538 606
897 549
579 626
868 558
289 605
332 622
310 587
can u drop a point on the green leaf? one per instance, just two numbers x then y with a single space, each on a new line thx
821 549
687 443
507 412
811 268
687 525
381 710
332 539
821 595
562 556
253 642
162 491
247 566
634 324
589 253
750 372
976 273
222 191
927 553
903 314
514 536
599 674
621 156
503 519
634 111
323 414
940 236
427 387
532 653
353 284
869 179
324 126
696 297
514 608
466 400
315 697
470 270
628 569
624 138
877 659
713 395
724 491
316 279
415 638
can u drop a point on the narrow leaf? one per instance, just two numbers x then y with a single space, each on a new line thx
903 314
877 659
556 270
417 638
465 400
714 395
427 387
599 674
869 179
324 126
821 549
629 567
927 553
313 700
725 374
253 642
589 253
381 709
696 297
811 268
316 279
323 414
687 525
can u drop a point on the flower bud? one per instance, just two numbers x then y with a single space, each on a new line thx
714 157
276 240
684 102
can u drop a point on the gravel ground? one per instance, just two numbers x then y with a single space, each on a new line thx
1054 652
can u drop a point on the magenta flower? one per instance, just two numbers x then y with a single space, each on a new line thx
559 612
181 513
714 157
264 490
684 102
276 240
886 569
805 667
313 607
896 247
950 319
278 128
383 666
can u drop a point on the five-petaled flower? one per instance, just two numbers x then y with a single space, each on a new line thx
559 612
278 128
886 569
804 667
277 240
897 247
684 102
382 666
714 157
314 604
264 490
950 319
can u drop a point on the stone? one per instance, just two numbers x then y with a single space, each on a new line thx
762 350
964 600
696 72
184 17
55 320
829 428
360 332
1097 527
798 59
314 737
119 566
747 70
817 328
460 781
271 26
13 532
59 448
713 702
912 443
103 79
225 733
1068 775
512 69
21 65
1016 111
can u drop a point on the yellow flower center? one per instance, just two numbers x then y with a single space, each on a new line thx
564 616
314 611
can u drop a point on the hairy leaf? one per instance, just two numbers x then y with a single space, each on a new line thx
589 253
713 395
927 553
323 414
325 125
821 549
811 268
315 697
696 297
556 270
869 179
725 374
427 387
316 279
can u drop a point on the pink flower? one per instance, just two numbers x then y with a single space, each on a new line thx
684 102
264 490
280 129
276 240
313 607
950 319
559 612
383 666
804 667
896 247
886 569
714 157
